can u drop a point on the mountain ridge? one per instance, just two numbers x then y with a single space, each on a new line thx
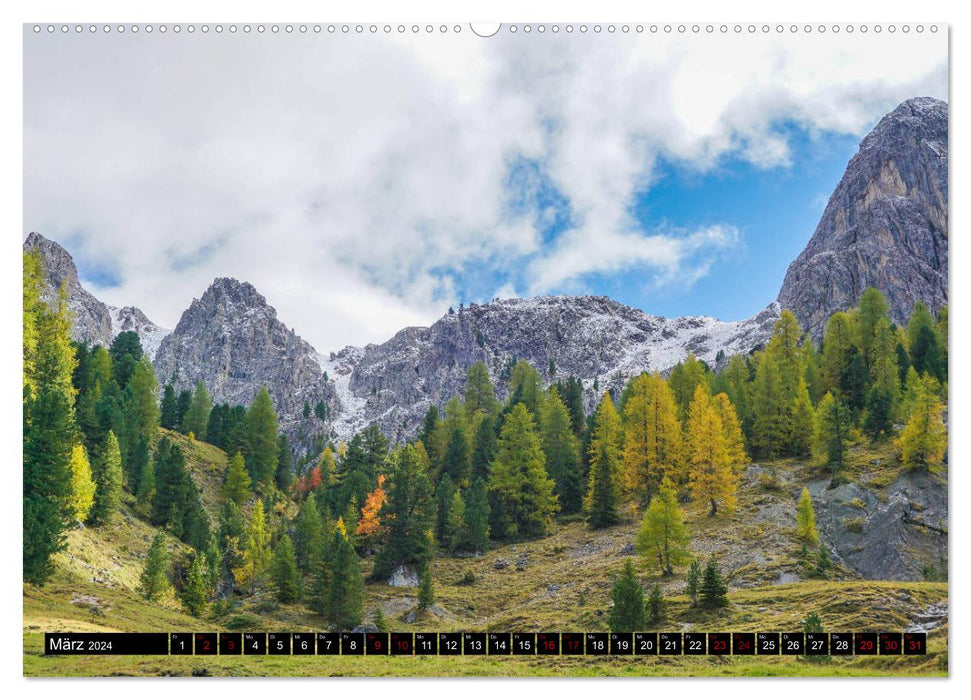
885 225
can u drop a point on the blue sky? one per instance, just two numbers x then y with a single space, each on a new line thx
387 178
775 210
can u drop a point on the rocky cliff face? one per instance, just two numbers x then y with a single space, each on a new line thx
885 225
95 323
233 341
131 318
593 338
92 318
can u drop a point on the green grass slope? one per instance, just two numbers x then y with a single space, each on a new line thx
558 583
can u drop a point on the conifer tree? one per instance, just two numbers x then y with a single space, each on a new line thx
476 536
144 391
806 519
732 430
426 590
455 461
308 535
837 350
169 412
262 451
236 485
713 591
771 424
345 591
693 582
802 430
108 476
655 605
443 499
195 588
711 477
871 309
479 394
196 418
684 379
154 580
653 444
923 441
82 485
562 452
182 406
813 371
663 537
484 447
518 481
283 571
48 426
526 386
627 612
573 398
284 467
455 523
409 512
603 494
146 485
832 431
256 550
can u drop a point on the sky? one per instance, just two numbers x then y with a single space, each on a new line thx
364 183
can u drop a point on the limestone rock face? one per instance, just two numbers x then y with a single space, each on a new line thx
885 225
92 318
95 323
596 339
233 341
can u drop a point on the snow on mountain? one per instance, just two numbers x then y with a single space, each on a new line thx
130 318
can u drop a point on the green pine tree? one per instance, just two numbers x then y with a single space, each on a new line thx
426 590
562 452
476 536
713 590
154 581
655 605
283 571
443 498
627 612
603 494
236 486
409 512
832 431
345 591
108 476
195 589
518 482
309 533
262 450
663 537
806 519
693 582
196 418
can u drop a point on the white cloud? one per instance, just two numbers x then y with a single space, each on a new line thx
346 176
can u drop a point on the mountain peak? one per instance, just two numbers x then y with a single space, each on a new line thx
885 225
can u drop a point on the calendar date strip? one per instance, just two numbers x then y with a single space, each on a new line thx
485 643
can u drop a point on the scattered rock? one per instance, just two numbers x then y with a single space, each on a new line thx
552 588
627 549
522 562
403 577
500 564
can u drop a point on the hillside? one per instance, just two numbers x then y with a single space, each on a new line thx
560 582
